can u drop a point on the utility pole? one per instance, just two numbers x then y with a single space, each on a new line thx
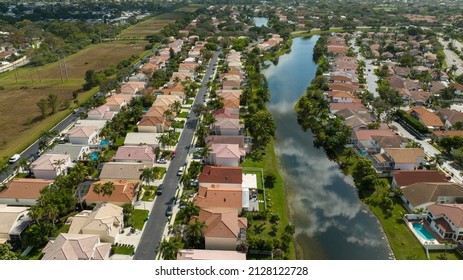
60 70
65 70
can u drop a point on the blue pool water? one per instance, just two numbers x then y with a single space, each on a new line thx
94 156
104 142
423 232
363 152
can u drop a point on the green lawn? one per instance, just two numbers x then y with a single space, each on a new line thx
150 193
277 194
177 124
123 250
139 218
35 254
183 115
190 101
119 141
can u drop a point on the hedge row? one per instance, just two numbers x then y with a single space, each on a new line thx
421 128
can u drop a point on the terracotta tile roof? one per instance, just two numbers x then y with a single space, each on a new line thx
456 86
48 161
454 212
452 116
135 153
342 87
229 103
157 111
355 107
222 223
217 196
25 188
198 254
98 110
427 118
421 193
395 81
221 175
404 155
367 134
230 113
447 133
153 121
76 247
410 177
187 66
223 139
394 141
119 99
230 151
228 123
124 192
82 131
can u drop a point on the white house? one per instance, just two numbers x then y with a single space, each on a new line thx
23 191
49 166
142 138
446 220
225 154
83 135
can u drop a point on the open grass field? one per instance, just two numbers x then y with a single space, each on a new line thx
155 24
148 27
20 122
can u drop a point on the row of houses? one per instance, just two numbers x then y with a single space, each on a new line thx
92 232
224 191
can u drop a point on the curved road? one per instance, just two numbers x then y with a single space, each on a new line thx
154 228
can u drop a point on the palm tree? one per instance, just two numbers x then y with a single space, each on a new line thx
195 234
163 140
57 164
176 107
43 106
36 213
147 175
108 188
52 212
98 189
169 249
167 114
201 133
23 164
190 210
176 80
52 102
205 151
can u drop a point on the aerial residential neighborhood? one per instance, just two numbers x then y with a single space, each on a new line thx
224 131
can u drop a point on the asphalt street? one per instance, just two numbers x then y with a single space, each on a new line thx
370 76
154 228
452 58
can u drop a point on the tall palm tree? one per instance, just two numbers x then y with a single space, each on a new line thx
98 189
108 188
147 175
205 151
195 234
52 212
176 107
163 140
23 164
169 249
168 114
57 164
36 213
52 102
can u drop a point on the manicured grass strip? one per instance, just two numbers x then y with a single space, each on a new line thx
139 218
123 250
183 115
277 194
150 193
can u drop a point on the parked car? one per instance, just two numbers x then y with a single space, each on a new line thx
161 161
180 171
14 158
169 210
160 189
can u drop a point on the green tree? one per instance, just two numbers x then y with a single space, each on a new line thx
195 234
52 102
7 253
261 127
43 107
169 249
364 175
147 175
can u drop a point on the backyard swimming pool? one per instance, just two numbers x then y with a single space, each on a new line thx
104 142
94 156
423 232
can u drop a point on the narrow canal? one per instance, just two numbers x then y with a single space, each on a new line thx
331 222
